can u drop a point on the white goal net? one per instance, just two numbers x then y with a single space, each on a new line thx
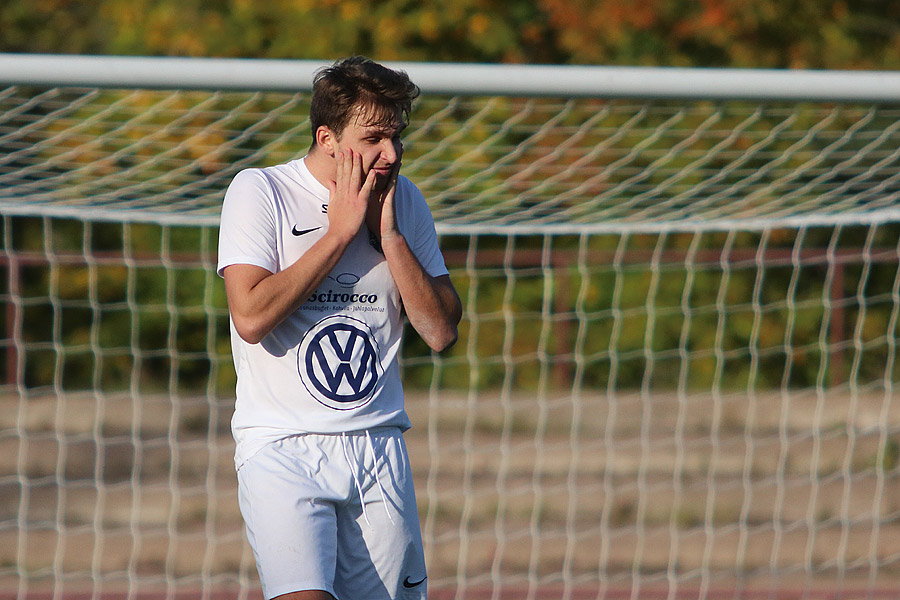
675 374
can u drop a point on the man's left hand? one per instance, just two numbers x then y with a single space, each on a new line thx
381 217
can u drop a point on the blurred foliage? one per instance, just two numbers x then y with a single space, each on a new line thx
827 34
116 306
139 305
699 311
809 34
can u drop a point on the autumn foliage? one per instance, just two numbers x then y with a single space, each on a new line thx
813 34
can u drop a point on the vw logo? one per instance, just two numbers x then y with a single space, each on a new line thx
339 362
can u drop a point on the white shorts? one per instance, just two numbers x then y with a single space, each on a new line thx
300 499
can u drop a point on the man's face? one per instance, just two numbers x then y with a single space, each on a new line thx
377 142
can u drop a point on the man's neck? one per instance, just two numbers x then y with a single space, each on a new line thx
320 165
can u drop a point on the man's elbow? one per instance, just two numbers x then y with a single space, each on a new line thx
444 340
251 331
446 334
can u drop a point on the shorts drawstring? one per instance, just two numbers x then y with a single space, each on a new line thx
354 467
378 479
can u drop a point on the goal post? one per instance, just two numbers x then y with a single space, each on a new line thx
675 372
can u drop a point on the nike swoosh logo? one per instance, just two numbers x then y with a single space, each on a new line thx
408 584
296 231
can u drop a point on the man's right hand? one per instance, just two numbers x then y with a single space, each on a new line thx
349 195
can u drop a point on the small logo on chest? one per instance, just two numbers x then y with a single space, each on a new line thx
299 232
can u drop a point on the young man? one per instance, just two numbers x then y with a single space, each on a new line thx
321 258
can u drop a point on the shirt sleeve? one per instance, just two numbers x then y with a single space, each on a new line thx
418 227
247 227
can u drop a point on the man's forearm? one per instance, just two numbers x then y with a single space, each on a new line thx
259 301
431 303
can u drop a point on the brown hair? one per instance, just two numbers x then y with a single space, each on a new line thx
359 83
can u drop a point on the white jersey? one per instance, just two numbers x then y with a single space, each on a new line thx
331 366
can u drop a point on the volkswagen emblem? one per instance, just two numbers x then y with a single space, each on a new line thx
339 362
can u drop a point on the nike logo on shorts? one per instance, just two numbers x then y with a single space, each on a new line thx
411 584
298 232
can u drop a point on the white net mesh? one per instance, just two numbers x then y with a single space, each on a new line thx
674 377
529 164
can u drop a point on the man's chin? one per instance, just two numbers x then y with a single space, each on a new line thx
381 181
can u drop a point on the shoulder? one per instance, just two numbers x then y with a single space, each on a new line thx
247 181
413 212
251 177
255 184
249 193
409 192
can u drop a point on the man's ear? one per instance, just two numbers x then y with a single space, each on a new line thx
326 139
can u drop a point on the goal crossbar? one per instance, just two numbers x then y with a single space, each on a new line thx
459 78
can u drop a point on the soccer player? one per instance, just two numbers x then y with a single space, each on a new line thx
322 257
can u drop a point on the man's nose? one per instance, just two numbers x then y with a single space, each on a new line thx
392 150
